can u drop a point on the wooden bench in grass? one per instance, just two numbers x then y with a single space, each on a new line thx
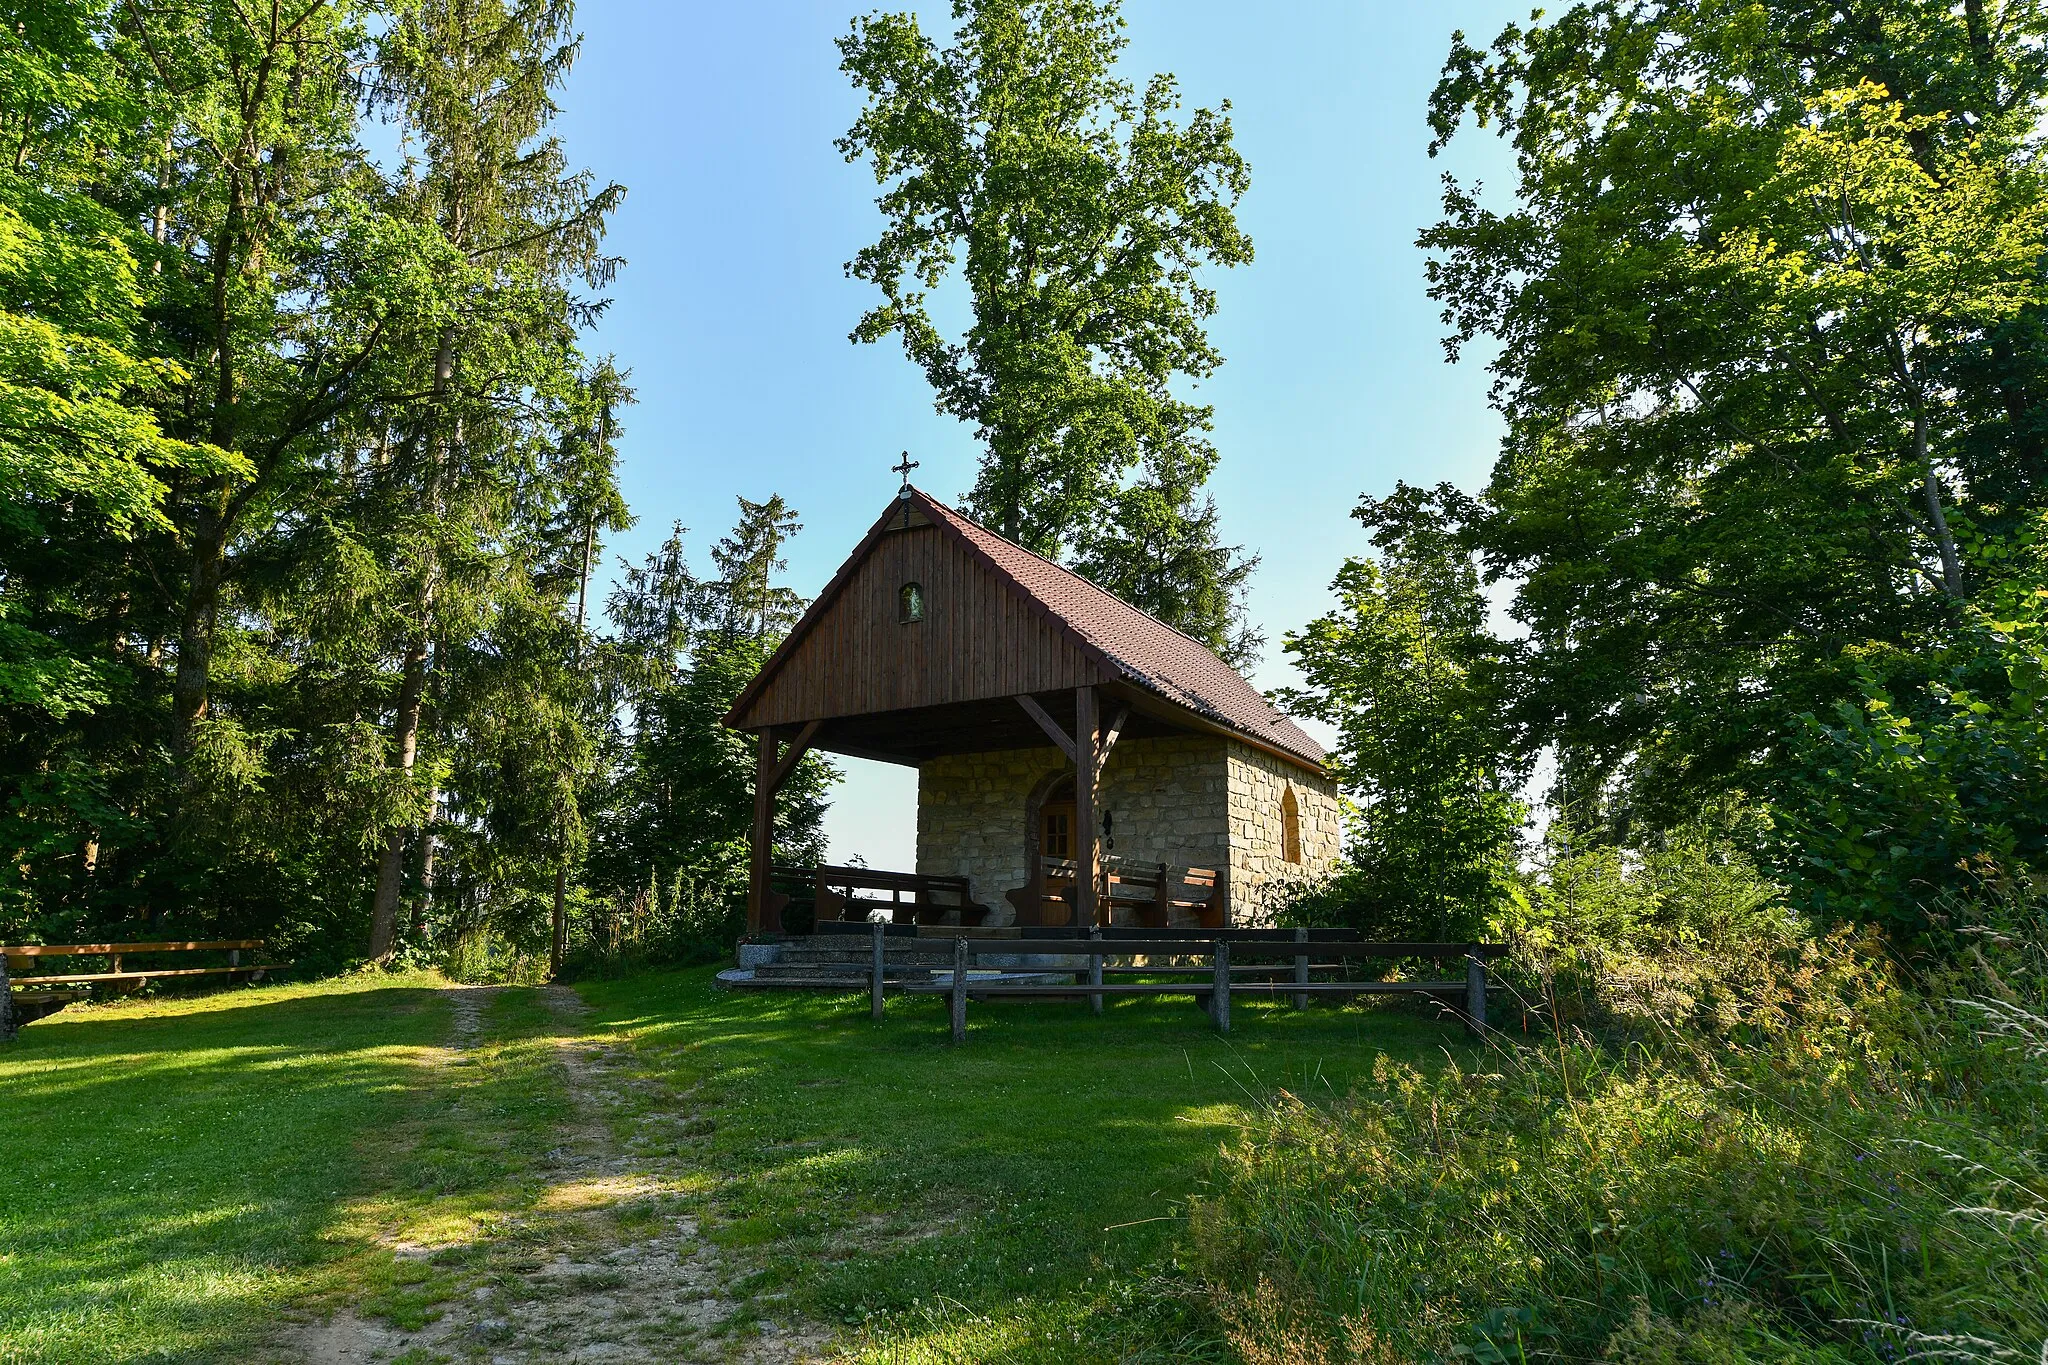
1224 978
24 997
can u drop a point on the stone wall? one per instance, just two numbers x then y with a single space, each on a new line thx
1182 800
1166 798
1259 871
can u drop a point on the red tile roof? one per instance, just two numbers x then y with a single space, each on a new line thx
1148 652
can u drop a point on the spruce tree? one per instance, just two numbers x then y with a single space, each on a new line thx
473 82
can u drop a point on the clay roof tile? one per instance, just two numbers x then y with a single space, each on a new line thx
1149 653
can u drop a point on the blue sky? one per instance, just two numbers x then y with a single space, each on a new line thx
733 310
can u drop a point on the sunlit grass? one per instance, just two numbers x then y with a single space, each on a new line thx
182 1174
1016 1199
172 1168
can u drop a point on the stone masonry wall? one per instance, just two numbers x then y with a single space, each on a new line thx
1259 871
1167 799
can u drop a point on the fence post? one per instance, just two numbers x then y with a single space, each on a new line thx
1475 989
6 1003
1095 973
1219 990
960 989
1301 971
875 977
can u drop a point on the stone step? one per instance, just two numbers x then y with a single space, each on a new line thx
919 957
770 971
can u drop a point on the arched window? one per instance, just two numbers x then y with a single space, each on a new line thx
910 602
1290 827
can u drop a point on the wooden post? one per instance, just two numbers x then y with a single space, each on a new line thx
1095 975
960 989
1088 850
762 838
771 770
1219 990
875 977
6 1004
1301 971
1475 990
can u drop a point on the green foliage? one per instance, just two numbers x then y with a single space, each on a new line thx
1399 668
1892 802
1810 1162
301 472
1079 213
1767 304
674 818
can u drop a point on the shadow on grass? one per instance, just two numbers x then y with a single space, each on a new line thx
175 1166
1016 1198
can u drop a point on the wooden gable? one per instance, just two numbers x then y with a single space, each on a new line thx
981 638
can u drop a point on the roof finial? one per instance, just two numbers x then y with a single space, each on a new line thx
904 467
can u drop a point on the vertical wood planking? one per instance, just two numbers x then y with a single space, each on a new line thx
980 639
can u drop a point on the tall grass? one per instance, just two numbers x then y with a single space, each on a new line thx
1707 1147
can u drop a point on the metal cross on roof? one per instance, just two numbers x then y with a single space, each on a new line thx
905 467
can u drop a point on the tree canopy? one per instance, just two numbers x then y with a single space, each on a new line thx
1080 215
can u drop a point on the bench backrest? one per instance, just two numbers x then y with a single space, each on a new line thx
870 879
26 951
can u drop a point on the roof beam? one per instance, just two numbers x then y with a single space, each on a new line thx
794 755
1113 733
1051 728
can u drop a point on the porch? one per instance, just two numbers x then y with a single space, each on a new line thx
1126 894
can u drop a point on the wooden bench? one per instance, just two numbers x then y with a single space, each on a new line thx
1224 978
23 998
1152 895
838 896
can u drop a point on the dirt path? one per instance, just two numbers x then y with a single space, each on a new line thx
600 1268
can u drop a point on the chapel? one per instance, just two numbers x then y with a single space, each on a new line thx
1066 743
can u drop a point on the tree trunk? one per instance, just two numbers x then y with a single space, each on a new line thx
559 943
412 691
190 684
391 861
1930 484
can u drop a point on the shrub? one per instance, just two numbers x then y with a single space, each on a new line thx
1799 1156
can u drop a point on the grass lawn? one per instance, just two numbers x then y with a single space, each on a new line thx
1016 1199
171 1168
176 1175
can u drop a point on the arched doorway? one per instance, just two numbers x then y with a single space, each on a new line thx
1051 830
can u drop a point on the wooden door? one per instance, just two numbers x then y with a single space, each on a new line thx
1056 830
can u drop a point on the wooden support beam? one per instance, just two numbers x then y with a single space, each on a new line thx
959 992
1113 734
761 837
794 755
1219 988
772 767
1087 771
1095 974
875 973
1051 727
1475 991
1301 971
